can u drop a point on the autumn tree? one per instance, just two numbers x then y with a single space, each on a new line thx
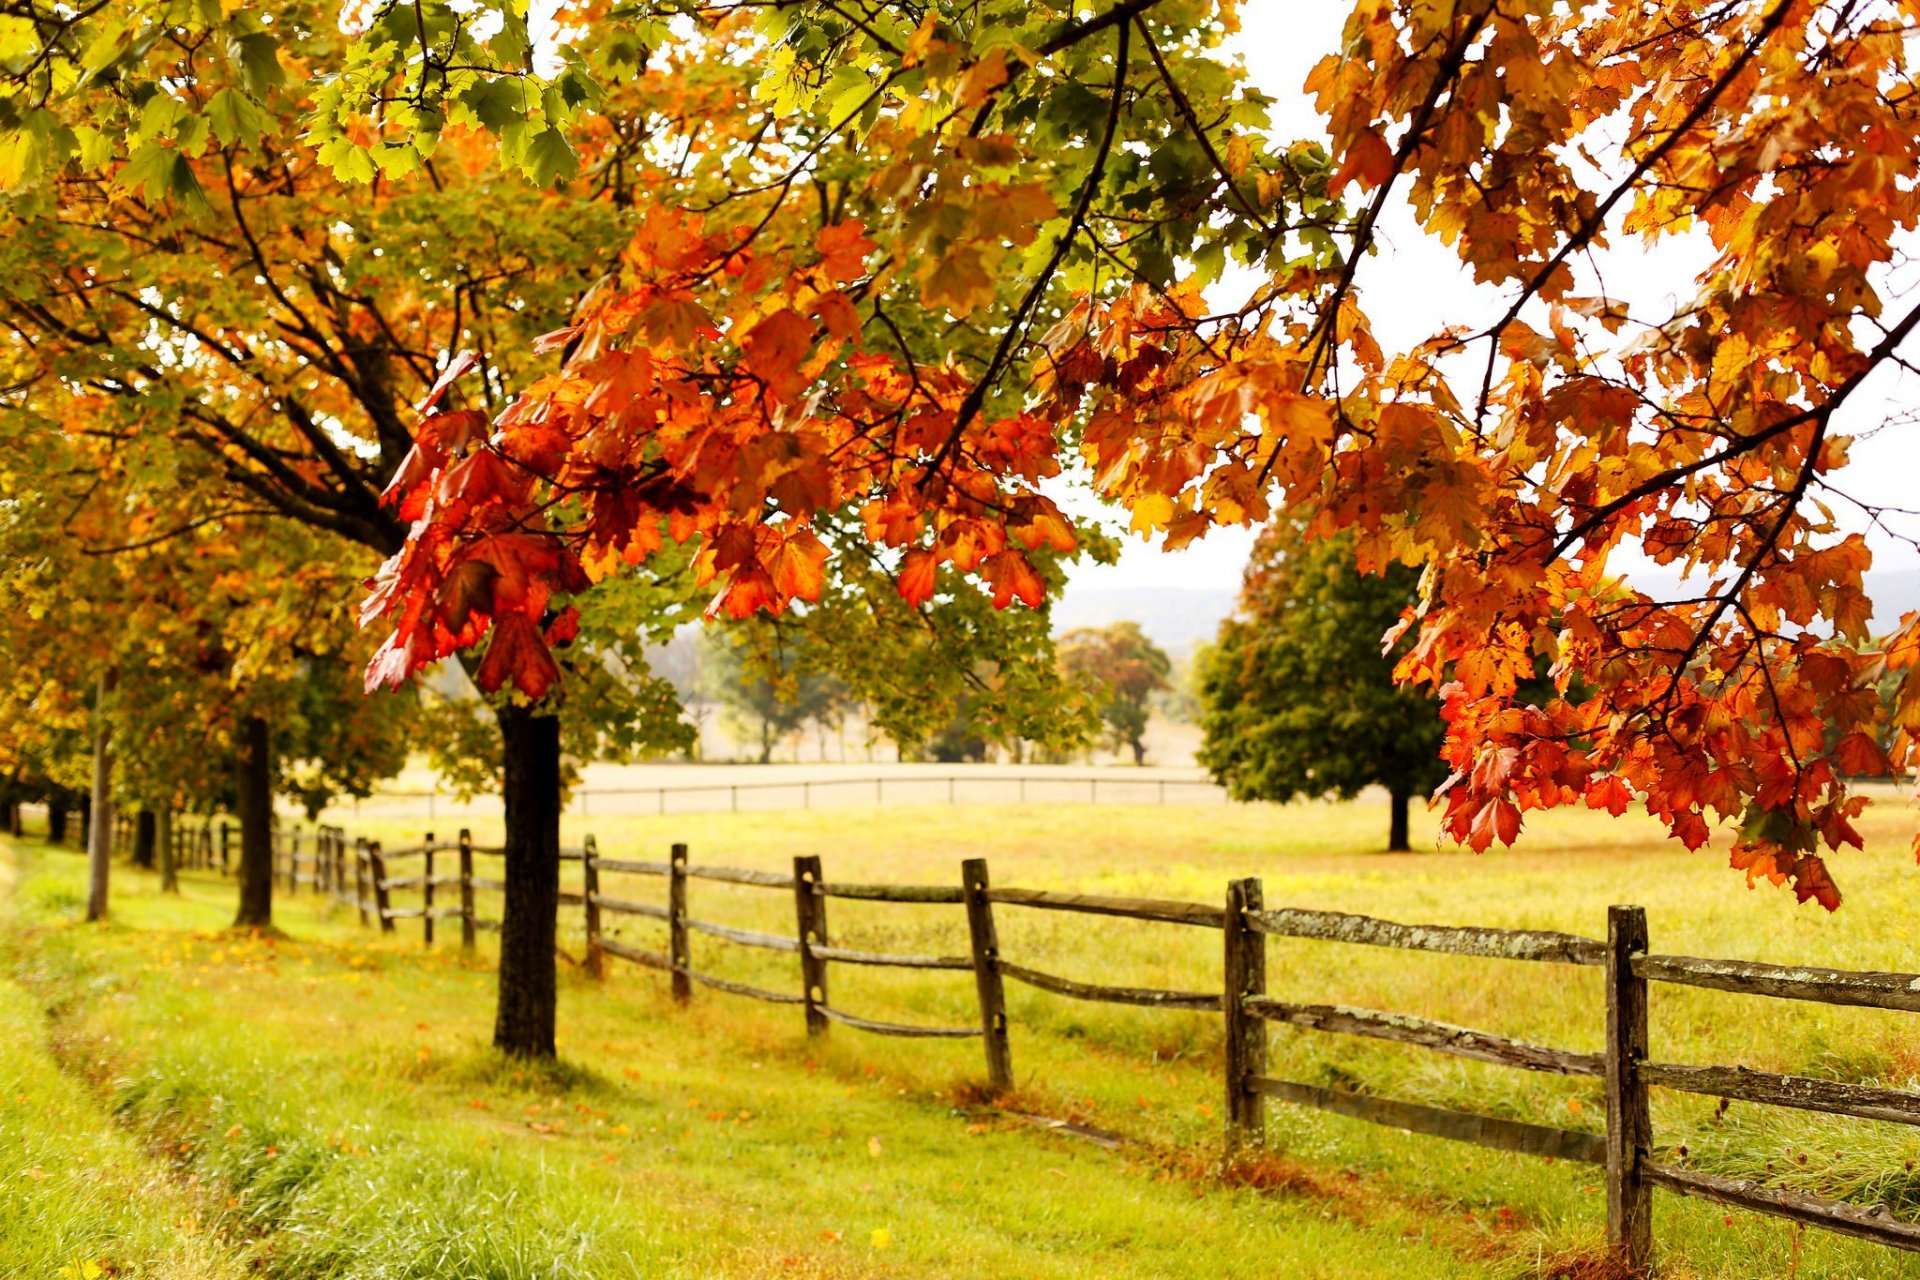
1297 698
766 695
209 296
1111 164
1122 669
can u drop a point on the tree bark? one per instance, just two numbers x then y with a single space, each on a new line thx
524 1012
163 838
100 816
1397 834
144 830
255 787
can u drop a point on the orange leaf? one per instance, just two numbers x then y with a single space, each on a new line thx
916 578
796 565
1368 158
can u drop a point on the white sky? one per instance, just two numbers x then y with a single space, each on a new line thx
1416 285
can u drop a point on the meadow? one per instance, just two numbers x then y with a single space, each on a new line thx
176 1100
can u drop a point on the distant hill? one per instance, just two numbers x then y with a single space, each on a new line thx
1175 618
1178 618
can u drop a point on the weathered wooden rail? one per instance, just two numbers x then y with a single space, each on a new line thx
1623 1148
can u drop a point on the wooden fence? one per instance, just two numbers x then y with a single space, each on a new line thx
360 874
1623 1149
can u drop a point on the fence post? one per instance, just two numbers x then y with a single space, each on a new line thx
426 888
810 912
677 923
1245 966
589 895
466 889
986 974
377 866
1629 1129
360 877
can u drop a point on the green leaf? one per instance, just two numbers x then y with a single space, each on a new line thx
498 101
549 157
396 160
256 56
236 118
162 174
104 49
350 163
96 148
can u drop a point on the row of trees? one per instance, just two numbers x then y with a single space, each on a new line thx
1109 678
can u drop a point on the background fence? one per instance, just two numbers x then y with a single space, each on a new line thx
361 874
986 785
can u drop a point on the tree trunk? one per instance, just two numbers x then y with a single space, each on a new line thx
100 817
524 1012
163 838
144 830
1397 841
255 787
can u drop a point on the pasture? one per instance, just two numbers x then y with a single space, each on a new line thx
323 1104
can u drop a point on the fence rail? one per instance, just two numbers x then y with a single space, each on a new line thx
357 874
1622 1148
949 788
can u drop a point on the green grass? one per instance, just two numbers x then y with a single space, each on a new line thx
340 1116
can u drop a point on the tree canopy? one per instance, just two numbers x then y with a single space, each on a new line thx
904 265
1297 698
1121 669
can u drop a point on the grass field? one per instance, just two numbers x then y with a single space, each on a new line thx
323 1105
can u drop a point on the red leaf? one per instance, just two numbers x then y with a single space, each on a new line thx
1610 793
518 654
1861 756
1812 881
1690 829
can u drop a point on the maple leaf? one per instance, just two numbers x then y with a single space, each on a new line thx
1860 756
795 565
519 656
1610 793
918 571
1368 158
1012 577
844 249
457 368
775 348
